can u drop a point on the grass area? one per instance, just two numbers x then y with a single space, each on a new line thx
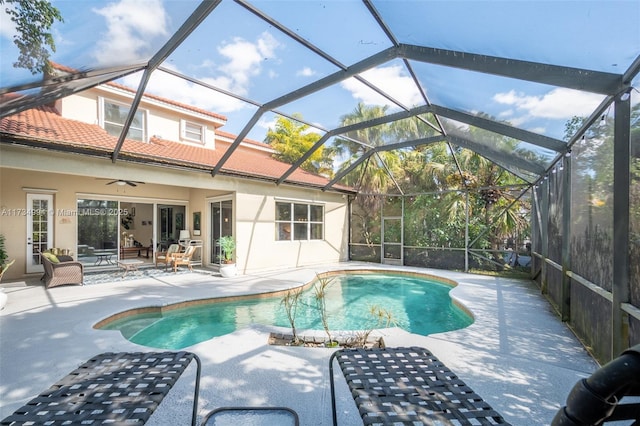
506 273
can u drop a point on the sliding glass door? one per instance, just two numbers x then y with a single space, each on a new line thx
221 225
97 231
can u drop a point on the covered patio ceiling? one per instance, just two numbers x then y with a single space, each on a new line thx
473 71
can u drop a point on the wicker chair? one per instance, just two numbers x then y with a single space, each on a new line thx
61 272
166 257
183 259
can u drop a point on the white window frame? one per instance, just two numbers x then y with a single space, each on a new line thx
184 132
292 223
103 122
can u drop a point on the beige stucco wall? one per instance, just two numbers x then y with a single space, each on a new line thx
255 230
164 123
70 176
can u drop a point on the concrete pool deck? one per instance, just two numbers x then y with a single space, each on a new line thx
517 354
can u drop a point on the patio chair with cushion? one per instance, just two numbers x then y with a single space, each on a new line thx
61 270
183 259
165 257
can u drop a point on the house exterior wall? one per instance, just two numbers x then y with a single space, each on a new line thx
82 107
253 204
257 247
163 122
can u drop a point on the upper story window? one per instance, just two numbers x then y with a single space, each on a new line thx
306 221
191 131
115 114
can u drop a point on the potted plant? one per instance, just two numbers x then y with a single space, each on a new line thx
227 249
3 257
3 268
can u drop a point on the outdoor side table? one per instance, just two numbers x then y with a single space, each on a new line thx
129 265
110 388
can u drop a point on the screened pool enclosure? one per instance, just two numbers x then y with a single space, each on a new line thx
478 135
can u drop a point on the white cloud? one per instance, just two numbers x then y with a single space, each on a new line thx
245 58
267 124
557 104
243 61
306 72
389 79
186 92
131 26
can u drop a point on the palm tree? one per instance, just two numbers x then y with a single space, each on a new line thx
373 175
292 139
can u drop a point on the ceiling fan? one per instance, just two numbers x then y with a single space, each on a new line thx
123 182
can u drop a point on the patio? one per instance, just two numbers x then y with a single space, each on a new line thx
517 355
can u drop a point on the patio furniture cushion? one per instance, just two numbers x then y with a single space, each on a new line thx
52 257
408 386
110 388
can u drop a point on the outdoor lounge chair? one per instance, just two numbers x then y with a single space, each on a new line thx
408 386
183 259
61 270
110 388
165 257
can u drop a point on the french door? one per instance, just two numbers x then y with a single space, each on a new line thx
39 229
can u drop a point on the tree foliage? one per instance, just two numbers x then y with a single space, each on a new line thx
33 20
292 139
445 181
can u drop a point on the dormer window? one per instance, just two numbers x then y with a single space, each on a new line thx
114 114
192 132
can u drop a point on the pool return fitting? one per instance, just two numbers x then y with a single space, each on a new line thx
595 400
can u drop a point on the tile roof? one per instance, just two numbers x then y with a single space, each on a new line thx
44 127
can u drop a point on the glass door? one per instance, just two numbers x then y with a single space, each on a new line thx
97 232
39 229
221 225
171 220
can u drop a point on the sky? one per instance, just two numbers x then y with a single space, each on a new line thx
236 51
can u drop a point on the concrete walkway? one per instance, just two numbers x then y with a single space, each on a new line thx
517 355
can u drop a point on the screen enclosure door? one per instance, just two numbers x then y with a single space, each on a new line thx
392 240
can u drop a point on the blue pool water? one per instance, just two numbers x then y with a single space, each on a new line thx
418 305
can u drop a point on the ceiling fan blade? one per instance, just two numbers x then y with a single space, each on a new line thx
122 182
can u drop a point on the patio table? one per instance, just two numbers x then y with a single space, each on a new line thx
103 256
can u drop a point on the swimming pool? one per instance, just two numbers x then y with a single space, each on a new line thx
417 304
